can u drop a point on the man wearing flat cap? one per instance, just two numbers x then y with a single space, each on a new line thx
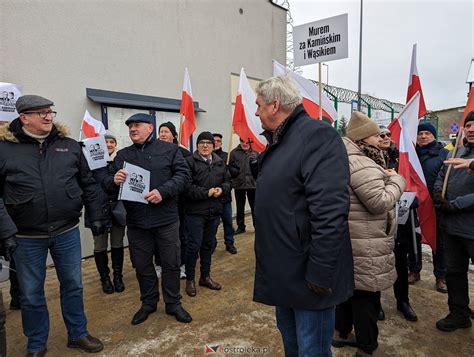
155 223
44 182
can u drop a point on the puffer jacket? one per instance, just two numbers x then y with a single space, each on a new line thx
372 222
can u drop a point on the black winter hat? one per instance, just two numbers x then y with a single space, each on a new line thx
205 135
427 127
171 127
140 118
469 117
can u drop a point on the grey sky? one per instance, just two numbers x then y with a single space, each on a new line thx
443 30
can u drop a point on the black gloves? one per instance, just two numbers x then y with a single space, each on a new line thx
98 228
8 247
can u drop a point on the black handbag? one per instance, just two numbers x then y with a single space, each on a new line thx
119 214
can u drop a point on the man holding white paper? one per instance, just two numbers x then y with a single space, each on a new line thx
155 222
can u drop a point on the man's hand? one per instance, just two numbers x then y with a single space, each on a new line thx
318 290
211 192
98 228
217 192
120 177
8 247
154 196
459 163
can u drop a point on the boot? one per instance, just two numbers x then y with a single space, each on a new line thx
117 266
102 262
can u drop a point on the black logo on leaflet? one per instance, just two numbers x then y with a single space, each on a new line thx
96 152
8 101
136 183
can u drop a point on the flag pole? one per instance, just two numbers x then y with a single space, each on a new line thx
231 135
180 133
450 167
320 94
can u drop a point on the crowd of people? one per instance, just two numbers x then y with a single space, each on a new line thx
327 242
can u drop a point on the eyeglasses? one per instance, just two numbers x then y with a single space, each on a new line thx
388 135
43 115
205 142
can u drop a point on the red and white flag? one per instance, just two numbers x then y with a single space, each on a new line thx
309 92
414 86
188 122
91 127
409 167
246 125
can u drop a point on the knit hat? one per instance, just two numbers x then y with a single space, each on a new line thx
27 102
469 117
205 135
429 127
109 135
384 129
171 128
361 127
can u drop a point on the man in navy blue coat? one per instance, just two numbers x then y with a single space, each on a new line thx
303 251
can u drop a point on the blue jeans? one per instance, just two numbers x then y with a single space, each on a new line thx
226 217
306 333
30 257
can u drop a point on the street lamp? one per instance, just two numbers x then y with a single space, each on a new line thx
327 73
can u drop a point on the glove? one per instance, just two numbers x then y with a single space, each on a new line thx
438 199
8 247
318 290
98 228
446 206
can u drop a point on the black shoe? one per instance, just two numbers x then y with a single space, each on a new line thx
381 315
87 344
239 230
142 314
107 286
15 304
180 314
101 262
407 311
230 247
451 323
37 354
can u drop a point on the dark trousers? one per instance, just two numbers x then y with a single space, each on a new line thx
182 238
360 311
3 335
240 203
439 264
459 252
142 244
14 286
402 241
201 242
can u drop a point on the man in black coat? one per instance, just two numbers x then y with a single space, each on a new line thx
44 182
303 251
210 181
155 223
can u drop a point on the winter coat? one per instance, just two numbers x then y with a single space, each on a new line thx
233 171
7 227
44 185
460 193
300 216
240 158
168 174
204 177
372 221
431 158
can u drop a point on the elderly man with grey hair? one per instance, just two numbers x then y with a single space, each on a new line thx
303 251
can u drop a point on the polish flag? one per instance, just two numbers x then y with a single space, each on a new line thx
309 92
246 125
188 122
414 86
410 168
91 127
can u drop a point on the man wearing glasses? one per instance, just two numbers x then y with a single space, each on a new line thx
44 182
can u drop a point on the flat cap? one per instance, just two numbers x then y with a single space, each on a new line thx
139 118
27 102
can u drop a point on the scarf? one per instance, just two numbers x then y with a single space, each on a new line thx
371 152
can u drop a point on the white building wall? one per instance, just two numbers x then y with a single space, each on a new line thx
58 48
